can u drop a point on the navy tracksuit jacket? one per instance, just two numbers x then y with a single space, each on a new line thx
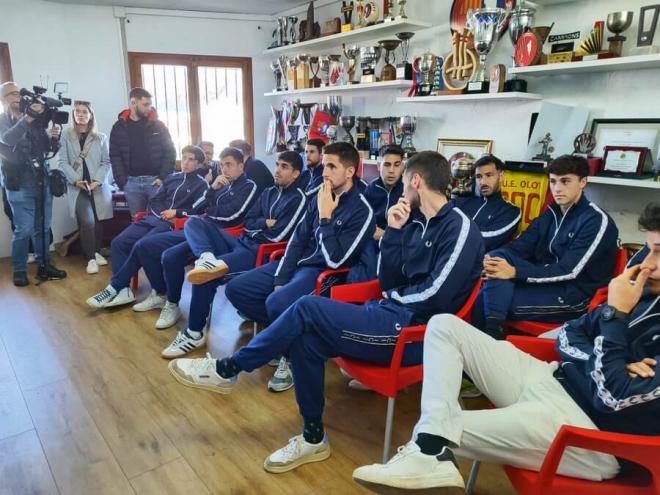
496 218
428 267
228 205
178 192
560 261
313 248
284 205
595 353
313 179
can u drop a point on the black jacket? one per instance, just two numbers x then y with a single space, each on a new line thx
162 154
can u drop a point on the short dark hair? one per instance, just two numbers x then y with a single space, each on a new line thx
649 220
241 144
433 168
487 159
569 164
139 93
206 143
392 149
292 158
235 153
196 151
316 142
348 155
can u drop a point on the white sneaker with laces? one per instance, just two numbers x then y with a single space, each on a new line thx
207 268
32 258
296 453
153 301
182 344
99 300
169 315
124 296
100 260
282 379
201 373
275 362
92 267
409 469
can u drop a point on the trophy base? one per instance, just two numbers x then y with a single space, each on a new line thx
368 78
345 28
404 72
515 86
388 73
477 87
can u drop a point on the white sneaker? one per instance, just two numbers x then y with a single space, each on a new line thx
200 373
182 344
100 260
409 469
153 301
275 362
207 268
124 296
92 267
296 453
32 258
282 379
169 315
99 300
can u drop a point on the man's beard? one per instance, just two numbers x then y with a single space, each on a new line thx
414 202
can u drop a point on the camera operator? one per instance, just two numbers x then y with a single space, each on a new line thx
20 177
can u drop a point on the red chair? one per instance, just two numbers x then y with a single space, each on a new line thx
272 250
537 328
388 380
644 451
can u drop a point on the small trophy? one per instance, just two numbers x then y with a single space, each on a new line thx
485 25
408 125
336 74
404 68
389 71
361 134
361 22
277 71
402 9
347 10
302 71
369 56
347 123
291 23
388 11
461 172
584 144
617 23
331 133
351 53
425 65
315 66
324 69
546 149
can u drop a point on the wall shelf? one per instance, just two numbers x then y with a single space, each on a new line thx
512 96
379 31
352 88
635 62
616 181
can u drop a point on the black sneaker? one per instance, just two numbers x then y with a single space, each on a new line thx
21 279
50 272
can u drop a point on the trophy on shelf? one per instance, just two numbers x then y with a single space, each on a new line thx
546 149
388 11
617 23
522 20
324 70
331 133
584 144
282 31
369 56
425 65
293 144
648 22
371 12
462 63
347 123
402 9
314 66
347 10
389 71
485 24
360 14
291 22
302 71
361 134
336 74
334 107
351 53
307 111
408 125
291 73
279 77
404 68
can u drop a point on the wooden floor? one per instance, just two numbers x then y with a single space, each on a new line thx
87 406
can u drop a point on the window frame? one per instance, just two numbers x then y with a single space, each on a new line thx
5 64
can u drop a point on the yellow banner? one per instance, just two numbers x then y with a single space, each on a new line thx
526 190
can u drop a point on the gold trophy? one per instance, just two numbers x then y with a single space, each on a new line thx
347 11
389 71
302 71
291 76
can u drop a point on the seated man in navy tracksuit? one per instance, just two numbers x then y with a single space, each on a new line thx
383 192
271 219
496 218
551 272
607 380
425 268
174 199
312 178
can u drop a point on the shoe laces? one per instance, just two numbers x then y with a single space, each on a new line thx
169 308
292 449
401 452
201 365
103 295
282 370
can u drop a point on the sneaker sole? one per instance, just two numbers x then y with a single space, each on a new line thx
144 310
278 390
199 277
162 326
457 489
188 383
113 304
318 457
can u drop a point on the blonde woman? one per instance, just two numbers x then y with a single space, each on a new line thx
85 160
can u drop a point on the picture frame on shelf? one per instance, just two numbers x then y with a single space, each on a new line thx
641 133
626 161
470 149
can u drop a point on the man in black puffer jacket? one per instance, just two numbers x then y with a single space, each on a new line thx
141 151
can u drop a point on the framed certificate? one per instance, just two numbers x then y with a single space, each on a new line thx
625 160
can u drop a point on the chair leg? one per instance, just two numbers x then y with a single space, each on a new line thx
255 327
134 282
389 419
472 479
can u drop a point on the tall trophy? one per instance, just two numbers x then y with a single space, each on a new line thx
617 23
291 73
389 71
347 10
425 66
282 31
336 74
302 71
279 77
291 24
347 123
351 53
404 68
485 25
334 107
361 137
408 125
315 66
522 20
388 11
369 56
324 69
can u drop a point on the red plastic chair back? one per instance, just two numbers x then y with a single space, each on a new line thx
266 252
235 231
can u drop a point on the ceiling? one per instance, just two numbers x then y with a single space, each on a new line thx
261 7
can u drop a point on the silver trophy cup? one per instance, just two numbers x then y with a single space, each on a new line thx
485 24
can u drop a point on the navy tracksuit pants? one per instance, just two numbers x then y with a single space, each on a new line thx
174 262
122 245
511 300
316 329
252 293
206 236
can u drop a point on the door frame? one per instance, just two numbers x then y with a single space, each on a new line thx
5 63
